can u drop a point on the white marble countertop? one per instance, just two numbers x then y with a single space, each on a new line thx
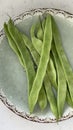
8 120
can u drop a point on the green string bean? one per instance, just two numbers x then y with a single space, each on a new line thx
37 44
63 59
41 71
13 45
17 37
62 87
42 100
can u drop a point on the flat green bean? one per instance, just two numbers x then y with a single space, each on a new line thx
12 45
31 48
36 43
17 37
63 59
42 100
41 71
50 69
62 87
51 97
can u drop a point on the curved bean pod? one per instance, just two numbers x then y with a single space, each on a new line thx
42 100
41 71
31 48
38 46
62 86
17 37
13 45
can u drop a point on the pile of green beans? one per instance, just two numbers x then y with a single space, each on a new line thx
49 74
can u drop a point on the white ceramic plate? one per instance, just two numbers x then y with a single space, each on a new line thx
13 82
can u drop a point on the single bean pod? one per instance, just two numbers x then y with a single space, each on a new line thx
13 45
41 71
62 86
31 48
42 99
38 46
17 37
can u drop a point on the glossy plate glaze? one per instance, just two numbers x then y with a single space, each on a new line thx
13 81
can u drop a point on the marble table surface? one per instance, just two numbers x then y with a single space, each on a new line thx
8 120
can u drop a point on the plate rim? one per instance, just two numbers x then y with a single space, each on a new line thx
3 98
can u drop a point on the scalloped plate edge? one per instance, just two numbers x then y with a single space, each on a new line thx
17 19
